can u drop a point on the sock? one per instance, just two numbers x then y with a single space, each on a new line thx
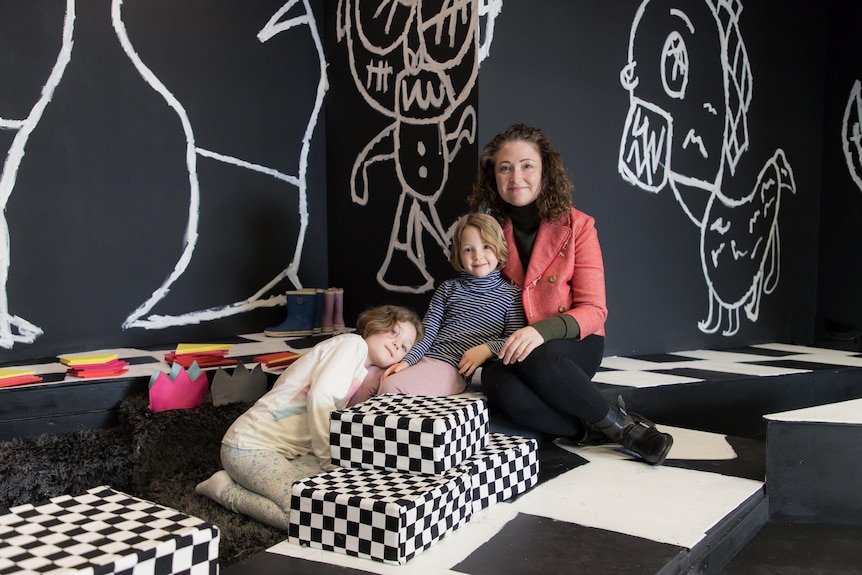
214 486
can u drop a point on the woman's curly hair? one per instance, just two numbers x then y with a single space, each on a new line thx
555 197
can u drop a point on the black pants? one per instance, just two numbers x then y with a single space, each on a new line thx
551 391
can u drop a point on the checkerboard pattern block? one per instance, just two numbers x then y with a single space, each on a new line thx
388 516
506 467
412 469
104 531
408 433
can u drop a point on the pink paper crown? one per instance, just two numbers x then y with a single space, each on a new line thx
180 390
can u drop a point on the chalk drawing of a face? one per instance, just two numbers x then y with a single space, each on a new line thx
690 86
415 61
23 119
690 89
851 133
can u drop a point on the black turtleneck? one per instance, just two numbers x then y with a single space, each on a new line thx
525 228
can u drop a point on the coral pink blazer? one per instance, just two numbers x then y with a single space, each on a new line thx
565 274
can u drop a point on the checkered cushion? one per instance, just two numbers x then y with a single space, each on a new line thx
507 466
105 531
408 433
382 515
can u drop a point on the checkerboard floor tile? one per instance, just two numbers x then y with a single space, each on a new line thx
711 365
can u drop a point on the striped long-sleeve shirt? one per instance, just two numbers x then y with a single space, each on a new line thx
466 312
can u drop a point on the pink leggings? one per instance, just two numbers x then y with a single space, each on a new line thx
428 377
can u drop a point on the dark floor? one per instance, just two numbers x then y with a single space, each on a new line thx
779 549
800 549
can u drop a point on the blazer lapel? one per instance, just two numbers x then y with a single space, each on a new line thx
514 269
550 241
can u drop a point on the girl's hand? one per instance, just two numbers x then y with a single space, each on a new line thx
394 368
473 358
520 344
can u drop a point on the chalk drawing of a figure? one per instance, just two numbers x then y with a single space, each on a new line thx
689 135
851 133
222 137
21 117
158 135
416 62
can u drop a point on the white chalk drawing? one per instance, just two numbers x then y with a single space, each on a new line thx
292 14
284 19
415 62
690 136
13 328
851 133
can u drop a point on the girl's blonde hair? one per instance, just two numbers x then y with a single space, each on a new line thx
490 232
383 318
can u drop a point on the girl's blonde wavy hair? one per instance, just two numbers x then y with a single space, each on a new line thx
490 232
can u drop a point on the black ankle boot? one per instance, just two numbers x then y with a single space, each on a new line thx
637 434
591 435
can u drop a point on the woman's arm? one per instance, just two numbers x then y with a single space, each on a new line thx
589 304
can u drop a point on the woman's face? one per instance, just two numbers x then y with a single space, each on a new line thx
518 171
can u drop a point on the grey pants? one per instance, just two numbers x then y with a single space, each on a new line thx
262 482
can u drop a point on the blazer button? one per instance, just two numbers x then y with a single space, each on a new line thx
561 309
552 279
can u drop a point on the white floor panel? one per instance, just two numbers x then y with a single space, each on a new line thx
664 504
641 378
791 348
847 412
828 358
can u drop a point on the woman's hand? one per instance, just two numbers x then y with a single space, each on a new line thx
473 358
520 344
394 368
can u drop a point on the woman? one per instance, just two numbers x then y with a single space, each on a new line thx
543 381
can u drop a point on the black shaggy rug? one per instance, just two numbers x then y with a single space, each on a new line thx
159 457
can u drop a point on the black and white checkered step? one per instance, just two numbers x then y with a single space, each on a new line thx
413 469
104 531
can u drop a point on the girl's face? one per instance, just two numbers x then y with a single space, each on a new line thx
477 258
518 171
389 347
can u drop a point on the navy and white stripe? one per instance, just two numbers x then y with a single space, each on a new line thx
466 312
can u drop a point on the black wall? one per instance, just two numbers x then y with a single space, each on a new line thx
557 66
398 174
840 280
195 107
162 189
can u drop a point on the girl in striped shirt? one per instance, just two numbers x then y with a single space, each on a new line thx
468 318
